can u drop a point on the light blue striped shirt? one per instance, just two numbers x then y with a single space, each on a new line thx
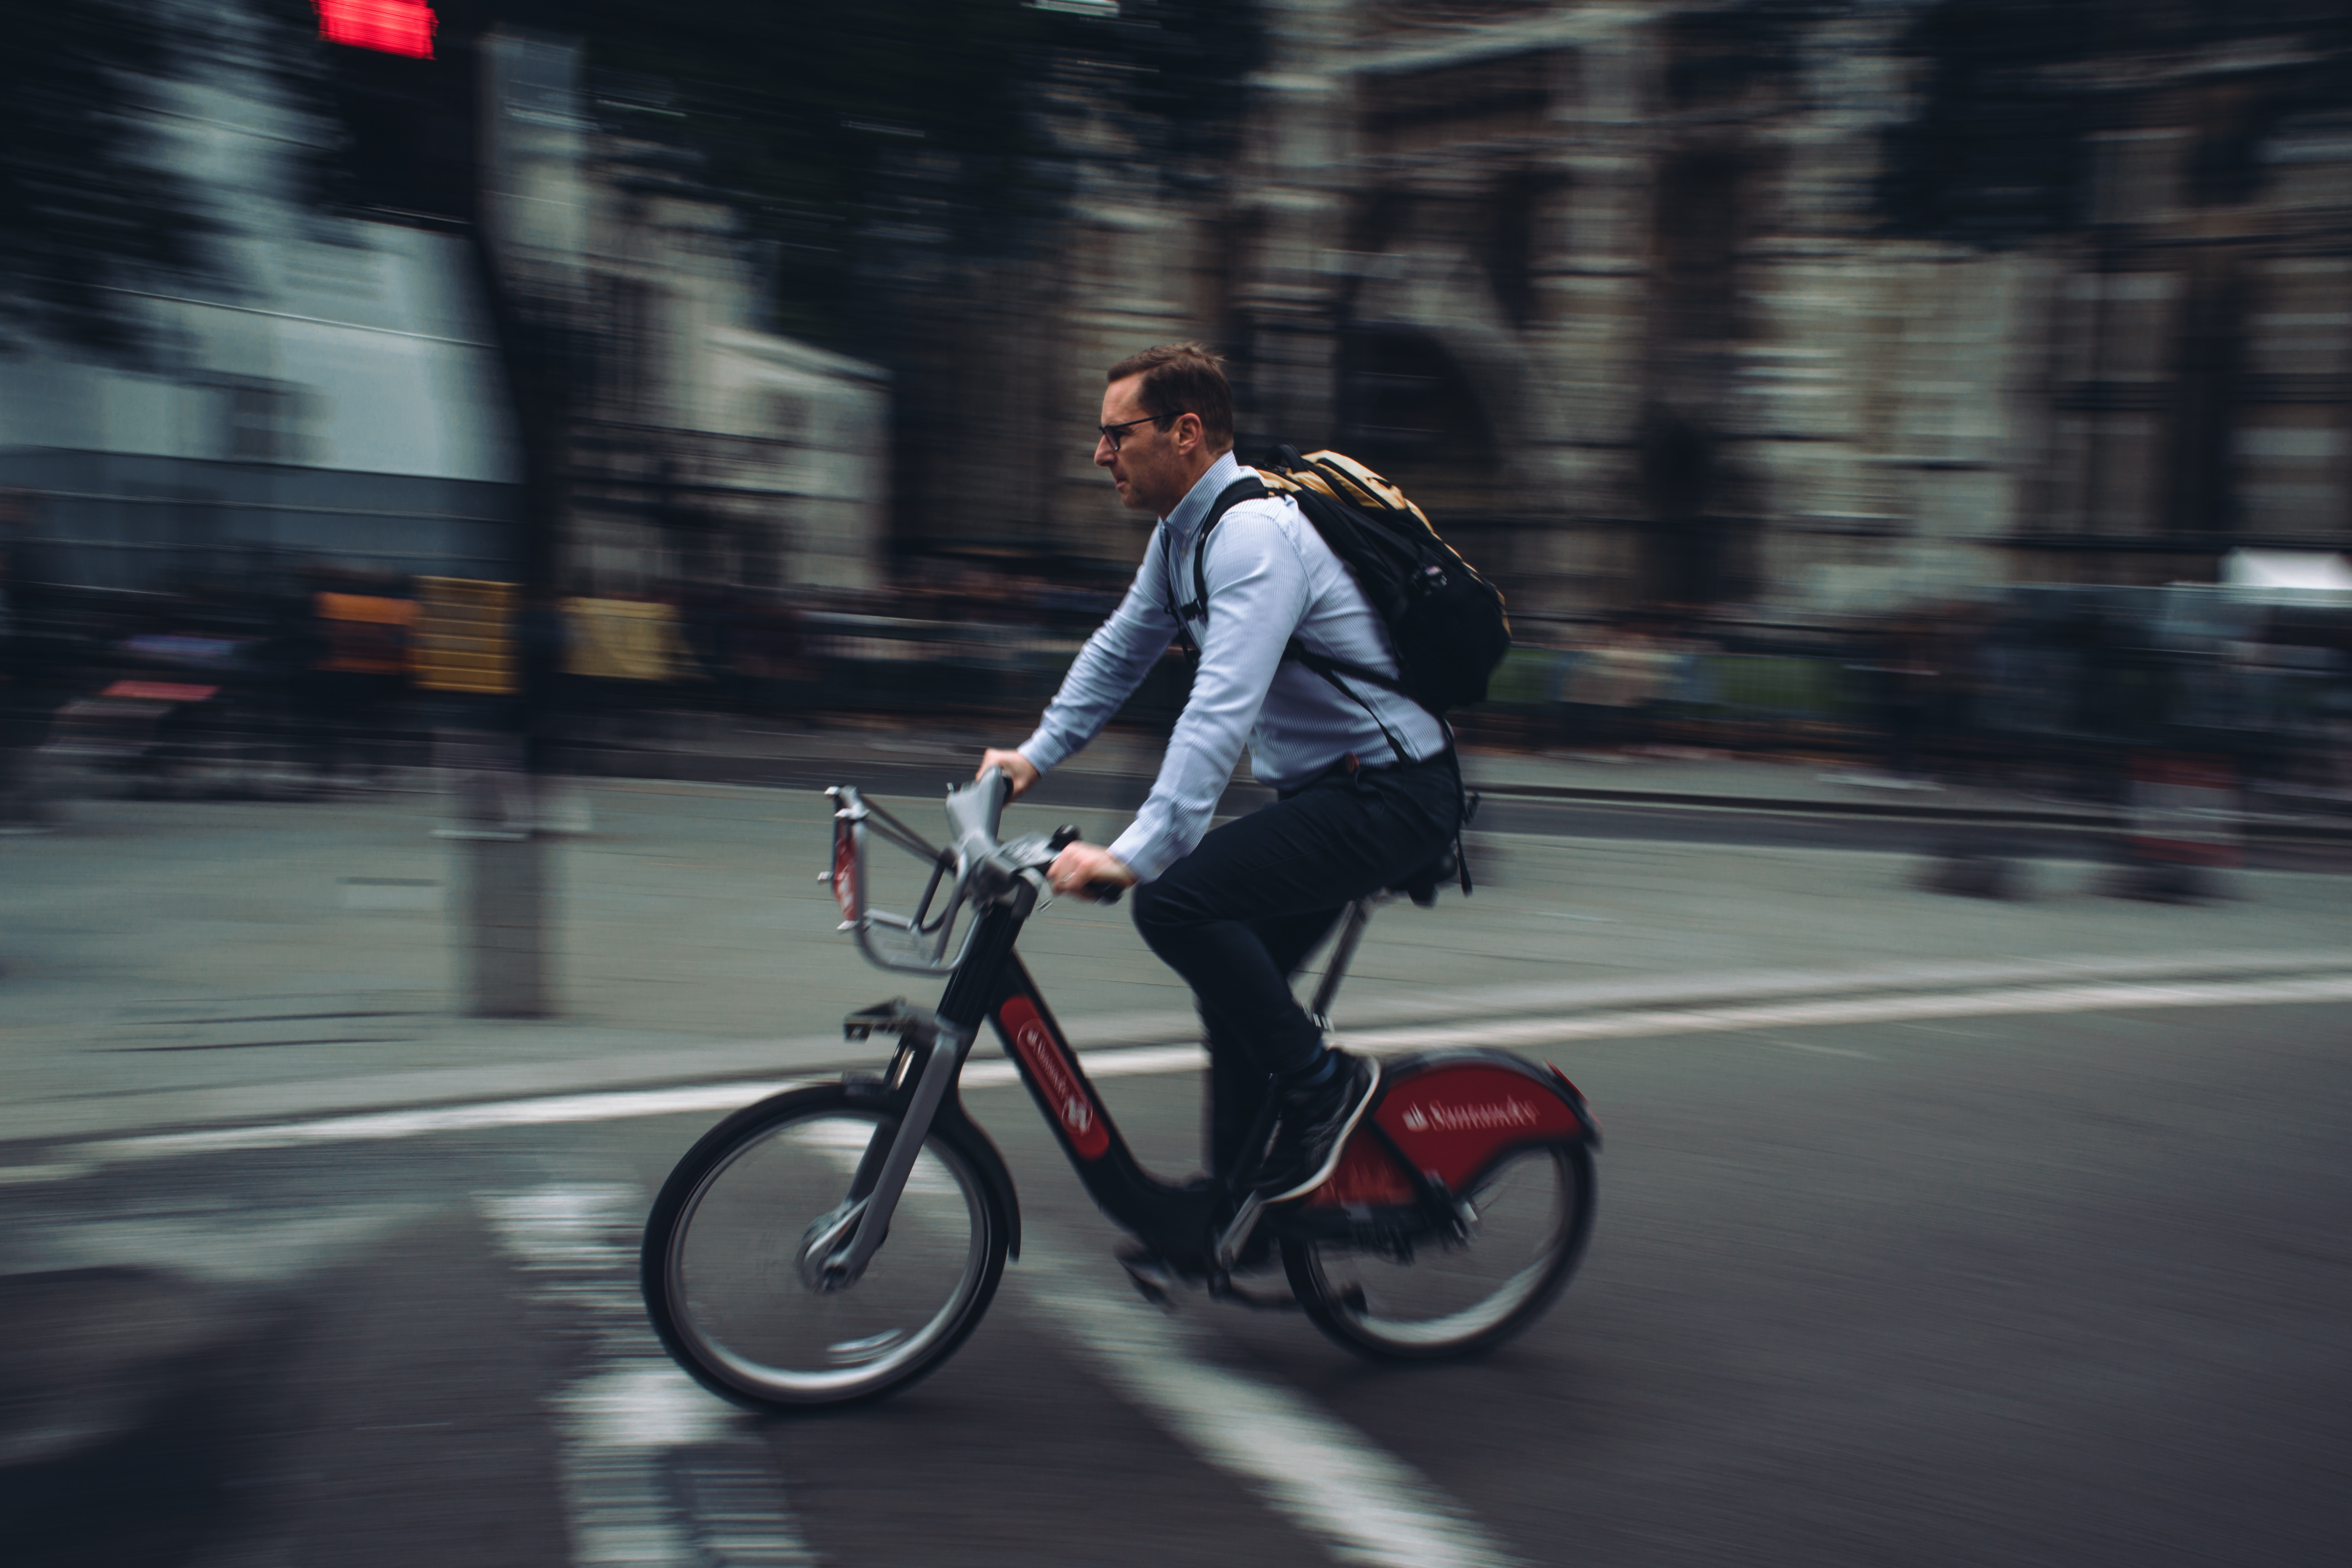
1270 577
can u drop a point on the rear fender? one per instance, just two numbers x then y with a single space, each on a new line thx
1449 1116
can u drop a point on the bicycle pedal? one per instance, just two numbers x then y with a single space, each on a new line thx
1152 1279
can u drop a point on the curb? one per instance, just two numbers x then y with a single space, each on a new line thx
1107 791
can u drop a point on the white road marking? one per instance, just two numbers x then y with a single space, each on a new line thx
1326 1476
33 1175
1323 1475
1824 1050
656 1470
1501 1033
656 1065
541 1111
1857 1010
1427 1005
373 1126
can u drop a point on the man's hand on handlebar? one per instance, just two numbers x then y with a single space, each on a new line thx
1019 771
1088 869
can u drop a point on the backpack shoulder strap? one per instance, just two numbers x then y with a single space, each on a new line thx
1249 486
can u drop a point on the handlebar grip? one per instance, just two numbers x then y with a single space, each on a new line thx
1104 892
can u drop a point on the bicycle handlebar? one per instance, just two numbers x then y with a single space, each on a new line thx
982 870
974 811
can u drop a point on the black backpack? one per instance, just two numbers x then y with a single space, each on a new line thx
1445 621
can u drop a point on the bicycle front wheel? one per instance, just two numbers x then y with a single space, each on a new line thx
721 1264
1451 1299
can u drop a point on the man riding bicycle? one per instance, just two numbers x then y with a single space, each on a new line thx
1368 789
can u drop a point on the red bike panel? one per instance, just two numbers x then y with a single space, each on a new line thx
1451 1121
1367 1176
1072 1106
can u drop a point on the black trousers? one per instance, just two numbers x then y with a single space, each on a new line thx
1238 916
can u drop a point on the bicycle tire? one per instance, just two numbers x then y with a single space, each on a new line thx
718 1264
1366 1303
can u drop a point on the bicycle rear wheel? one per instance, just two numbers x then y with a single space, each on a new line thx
1453 1298
721 1270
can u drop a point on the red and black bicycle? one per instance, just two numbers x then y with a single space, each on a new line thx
1456 1214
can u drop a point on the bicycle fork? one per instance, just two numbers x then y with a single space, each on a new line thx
840 1243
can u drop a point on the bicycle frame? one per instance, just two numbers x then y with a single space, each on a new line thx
987 983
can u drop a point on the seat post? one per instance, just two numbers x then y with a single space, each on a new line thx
1343 953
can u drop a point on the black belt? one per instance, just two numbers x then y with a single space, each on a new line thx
1349 766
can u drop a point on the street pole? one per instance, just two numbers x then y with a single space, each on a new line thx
528 245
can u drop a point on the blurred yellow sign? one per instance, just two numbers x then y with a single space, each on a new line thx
464 640
625 639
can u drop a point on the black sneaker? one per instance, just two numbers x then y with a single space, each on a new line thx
1314 1127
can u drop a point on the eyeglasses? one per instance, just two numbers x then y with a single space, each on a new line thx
1115 434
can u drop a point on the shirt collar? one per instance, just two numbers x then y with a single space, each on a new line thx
1205 489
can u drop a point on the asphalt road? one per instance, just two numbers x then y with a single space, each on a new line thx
1931 1230
2031 1288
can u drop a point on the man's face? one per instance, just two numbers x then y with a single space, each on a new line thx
1149 468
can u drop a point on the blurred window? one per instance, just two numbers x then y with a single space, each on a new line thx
262 421
1482 100
2118 327
2290 472
786 417
2301 326
1403 401
2309 162
2135 175
2290 454
1701 210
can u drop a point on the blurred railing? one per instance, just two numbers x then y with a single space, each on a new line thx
2028 693
891 664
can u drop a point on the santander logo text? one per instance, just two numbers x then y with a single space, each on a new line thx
1042 1054
1510 1112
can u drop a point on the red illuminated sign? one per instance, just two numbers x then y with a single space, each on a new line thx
394 26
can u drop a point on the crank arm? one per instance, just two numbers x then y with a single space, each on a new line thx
1236 1236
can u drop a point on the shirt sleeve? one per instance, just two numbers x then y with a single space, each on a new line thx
1257 595
1110 667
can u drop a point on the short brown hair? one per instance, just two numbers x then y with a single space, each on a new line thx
1182 378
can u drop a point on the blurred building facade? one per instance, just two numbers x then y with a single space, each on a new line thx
339 389
1625 292
698 449
1794 309
334 395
